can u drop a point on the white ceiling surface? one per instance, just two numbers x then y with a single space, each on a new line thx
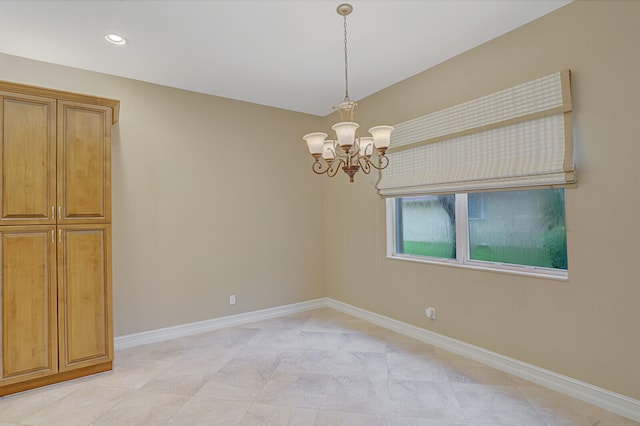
281 53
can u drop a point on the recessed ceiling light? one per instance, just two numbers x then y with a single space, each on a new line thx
116 39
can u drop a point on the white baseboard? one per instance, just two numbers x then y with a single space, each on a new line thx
611 401
168 333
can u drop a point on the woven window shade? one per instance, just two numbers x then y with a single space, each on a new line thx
520 137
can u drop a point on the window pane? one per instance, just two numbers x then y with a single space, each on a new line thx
520 227
426 226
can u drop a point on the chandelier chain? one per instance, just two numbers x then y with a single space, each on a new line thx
346 63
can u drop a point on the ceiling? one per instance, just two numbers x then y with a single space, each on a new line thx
282 53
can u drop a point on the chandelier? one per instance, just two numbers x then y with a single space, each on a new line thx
348 151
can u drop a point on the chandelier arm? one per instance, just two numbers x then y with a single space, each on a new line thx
342 154
364 164
383 162
334 167
318 167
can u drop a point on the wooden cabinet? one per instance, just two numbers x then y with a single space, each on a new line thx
55 236
27 159
29 302
84 295
84 163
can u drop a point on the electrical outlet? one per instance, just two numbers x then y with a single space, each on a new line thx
232 299
430 313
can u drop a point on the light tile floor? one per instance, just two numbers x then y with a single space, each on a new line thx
320 367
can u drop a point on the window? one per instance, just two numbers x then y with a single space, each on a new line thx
426 226
497 156
518 231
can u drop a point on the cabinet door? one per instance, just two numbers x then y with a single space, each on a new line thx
84 295
29 338
84 163
27 159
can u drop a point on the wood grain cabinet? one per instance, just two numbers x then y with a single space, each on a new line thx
29 303
55 236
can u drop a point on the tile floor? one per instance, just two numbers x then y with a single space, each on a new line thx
320 367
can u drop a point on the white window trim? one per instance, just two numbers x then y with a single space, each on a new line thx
462 247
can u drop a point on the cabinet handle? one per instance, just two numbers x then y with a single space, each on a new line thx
60 236
53 212
53 237
59 212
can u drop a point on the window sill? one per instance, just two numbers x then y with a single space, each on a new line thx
513 270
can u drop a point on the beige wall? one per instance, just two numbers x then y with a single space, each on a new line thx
586 328
210 197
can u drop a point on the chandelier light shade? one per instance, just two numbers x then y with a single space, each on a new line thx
348 151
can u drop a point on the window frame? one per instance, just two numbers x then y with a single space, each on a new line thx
463 258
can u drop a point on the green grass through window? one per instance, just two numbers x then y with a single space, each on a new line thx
514 255
421 248
502 254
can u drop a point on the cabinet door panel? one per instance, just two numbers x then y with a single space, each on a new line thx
27 159
84 163
84 291
29 338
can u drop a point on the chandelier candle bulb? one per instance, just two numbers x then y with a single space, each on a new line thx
366 146
346 133
349 151
329 153
315 143
381 136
